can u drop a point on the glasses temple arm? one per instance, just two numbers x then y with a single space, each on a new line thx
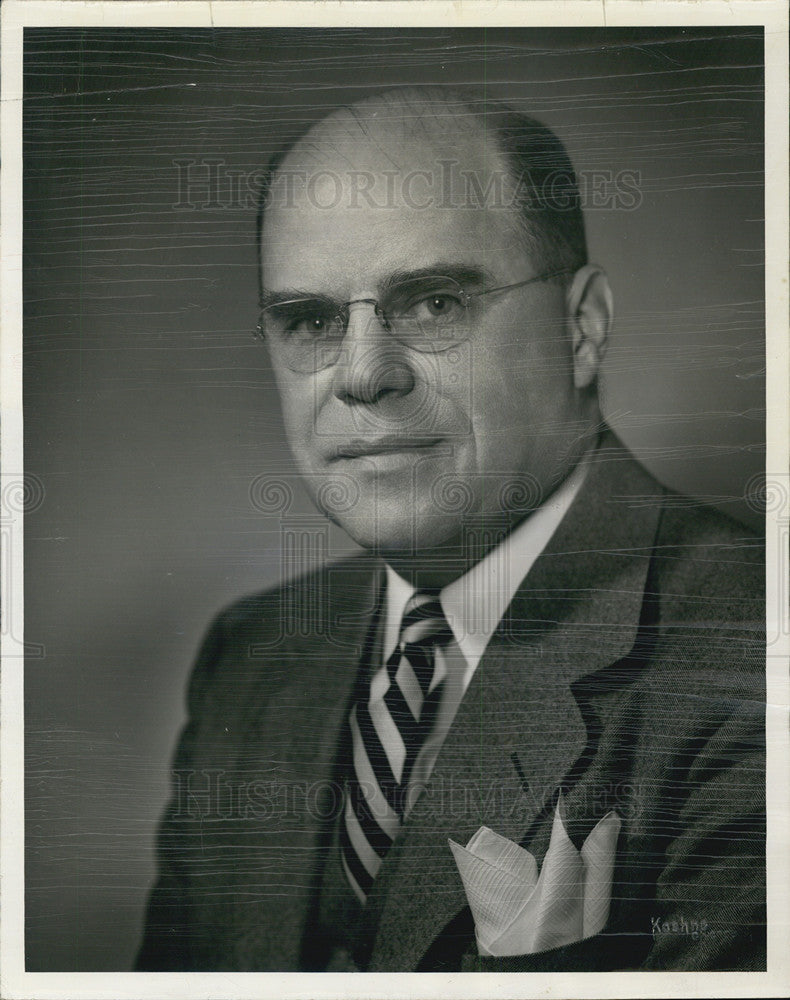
520 284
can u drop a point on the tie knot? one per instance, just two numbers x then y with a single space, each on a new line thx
423 621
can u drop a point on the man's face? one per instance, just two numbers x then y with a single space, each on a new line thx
401 447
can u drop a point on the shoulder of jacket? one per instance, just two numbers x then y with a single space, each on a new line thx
700 549
243 638
705 596
335 583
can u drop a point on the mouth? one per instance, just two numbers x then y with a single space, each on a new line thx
388 445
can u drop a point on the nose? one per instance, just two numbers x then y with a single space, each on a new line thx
372 365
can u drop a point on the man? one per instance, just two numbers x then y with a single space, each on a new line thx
541 638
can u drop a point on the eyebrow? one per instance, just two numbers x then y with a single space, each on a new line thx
272 298
464 274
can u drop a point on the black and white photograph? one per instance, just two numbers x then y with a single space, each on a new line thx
397 413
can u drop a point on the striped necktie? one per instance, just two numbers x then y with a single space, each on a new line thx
388 728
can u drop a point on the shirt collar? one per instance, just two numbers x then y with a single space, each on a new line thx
475 603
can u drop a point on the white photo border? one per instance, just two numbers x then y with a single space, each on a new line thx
16 15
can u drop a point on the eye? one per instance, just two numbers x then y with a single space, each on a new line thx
306 321
308 326
437 307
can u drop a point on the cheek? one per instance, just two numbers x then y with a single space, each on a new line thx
297 405
521 368
517 397
500 386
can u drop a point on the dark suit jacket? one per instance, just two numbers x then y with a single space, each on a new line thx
628 671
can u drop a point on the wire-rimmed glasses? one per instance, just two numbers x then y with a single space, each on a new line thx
426 314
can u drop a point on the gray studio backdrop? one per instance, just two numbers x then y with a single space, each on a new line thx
151 422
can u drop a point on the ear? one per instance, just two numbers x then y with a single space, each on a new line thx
589 309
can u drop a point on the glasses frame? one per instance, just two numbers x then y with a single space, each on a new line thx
342 309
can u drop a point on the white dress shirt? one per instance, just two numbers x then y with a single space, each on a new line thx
473 605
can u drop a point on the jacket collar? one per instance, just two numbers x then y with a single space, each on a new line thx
521 728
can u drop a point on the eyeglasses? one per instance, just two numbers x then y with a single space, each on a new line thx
426 314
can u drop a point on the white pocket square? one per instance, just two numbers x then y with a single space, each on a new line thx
517 912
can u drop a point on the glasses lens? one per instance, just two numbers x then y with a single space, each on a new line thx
305 332
428 314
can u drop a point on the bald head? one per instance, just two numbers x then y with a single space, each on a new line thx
419 148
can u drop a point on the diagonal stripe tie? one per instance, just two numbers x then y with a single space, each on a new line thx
387 733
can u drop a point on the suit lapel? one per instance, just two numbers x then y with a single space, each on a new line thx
521 731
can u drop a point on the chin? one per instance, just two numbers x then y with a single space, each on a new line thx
400 535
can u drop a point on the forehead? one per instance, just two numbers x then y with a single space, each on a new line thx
363 196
